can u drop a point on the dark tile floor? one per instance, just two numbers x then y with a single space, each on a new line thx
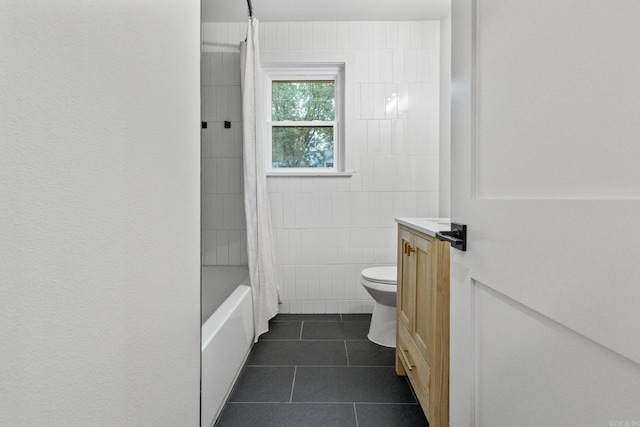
320 370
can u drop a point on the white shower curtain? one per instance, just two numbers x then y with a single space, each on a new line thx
262 269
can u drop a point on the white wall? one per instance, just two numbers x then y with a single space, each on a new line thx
445 115
99 224
328 229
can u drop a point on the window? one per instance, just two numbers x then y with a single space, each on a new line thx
304 119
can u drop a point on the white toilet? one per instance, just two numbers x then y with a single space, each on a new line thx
380 282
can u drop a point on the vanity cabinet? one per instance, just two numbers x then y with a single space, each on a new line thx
422 320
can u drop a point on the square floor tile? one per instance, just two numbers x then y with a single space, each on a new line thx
335 330
351 384
367 353
282 331
263 384
390 415
287 415
289 353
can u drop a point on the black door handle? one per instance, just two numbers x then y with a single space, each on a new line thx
457 236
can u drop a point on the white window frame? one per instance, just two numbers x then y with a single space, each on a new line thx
300 72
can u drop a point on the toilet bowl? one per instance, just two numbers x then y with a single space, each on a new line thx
380 282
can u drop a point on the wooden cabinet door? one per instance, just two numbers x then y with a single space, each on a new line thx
423 328
406 281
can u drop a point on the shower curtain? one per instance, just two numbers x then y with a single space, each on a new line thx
262 269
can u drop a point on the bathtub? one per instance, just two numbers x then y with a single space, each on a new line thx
227 334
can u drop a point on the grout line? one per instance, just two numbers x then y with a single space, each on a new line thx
293 384
355 411
301 328
346 352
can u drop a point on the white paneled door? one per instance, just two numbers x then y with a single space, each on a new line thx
545 303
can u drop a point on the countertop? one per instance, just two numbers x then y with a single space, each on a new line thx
428 226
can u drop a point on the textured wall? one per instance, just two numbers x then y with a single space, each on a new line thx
99 278
328 229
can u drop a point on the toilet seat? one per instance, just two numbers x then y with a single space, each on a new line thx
384 275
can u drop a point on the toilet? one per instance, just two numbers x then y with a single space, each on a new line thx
380 282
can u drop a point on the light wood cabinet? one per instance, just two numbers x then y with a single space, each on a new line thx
422 347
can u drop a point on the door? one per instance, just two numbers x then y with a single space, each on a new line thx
545 303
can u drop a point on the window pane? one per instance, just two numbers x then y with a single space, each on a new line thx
303 100
302 147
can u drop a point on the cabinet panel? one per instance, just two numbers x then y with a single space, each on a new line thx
423 324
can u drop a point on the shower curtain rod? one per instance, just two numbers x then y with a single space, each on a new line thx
250 9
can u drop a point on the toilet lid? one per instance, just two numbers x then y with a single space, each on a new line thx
386 274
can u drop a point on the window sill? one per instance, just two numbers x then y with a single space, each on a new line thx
310 174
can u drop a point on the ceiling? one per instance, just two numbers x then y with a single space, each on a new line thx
324 10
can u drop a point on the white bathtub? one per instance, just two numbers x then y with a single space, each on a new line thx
227 334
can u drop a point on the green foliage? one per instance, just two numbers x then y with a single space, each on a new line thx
303 146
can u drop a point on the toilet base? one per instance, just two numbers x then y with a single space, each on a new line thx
382 330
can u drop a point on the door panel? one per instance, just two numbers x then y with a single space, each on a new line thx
543 172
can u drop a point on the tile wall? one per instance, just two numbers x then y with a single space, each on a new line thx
328 229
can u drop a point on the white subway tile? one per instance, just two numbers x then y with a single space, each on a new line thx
337 282
397 136
236 32
431 34
361 135
241 221
393 171
301 285
367 173
235 176
391 33
222 103
379 101
277 213
221 32
368 248
386 65
430 100
222 247
379 34
295 307
318 35
205 68
433 73
289 210
366 101
289 282
228 68
228 142
342 35
209 96
385 137
208 30
229 211
410 66
362 66
338 209
404 34
306 210
205 212
294 35
398 65
355 35
313 281
205 143
208 175
294 246
380 173
343 307
416 103
217 211
306 307
281 246
306 36
234 247
374 65
373 137
403 100
355 245
325 210
367 306
331 35
283 307
422 65
331 306
308 246
270 36
319 307
209 247
221 175
216 129
355 183
282 35
355 307
217 67
368 35
416 34
235 104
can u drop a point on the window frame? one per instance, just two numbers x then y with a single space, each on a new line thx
307 72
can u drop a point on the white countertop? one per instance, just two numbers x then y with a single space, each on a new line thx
428 226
